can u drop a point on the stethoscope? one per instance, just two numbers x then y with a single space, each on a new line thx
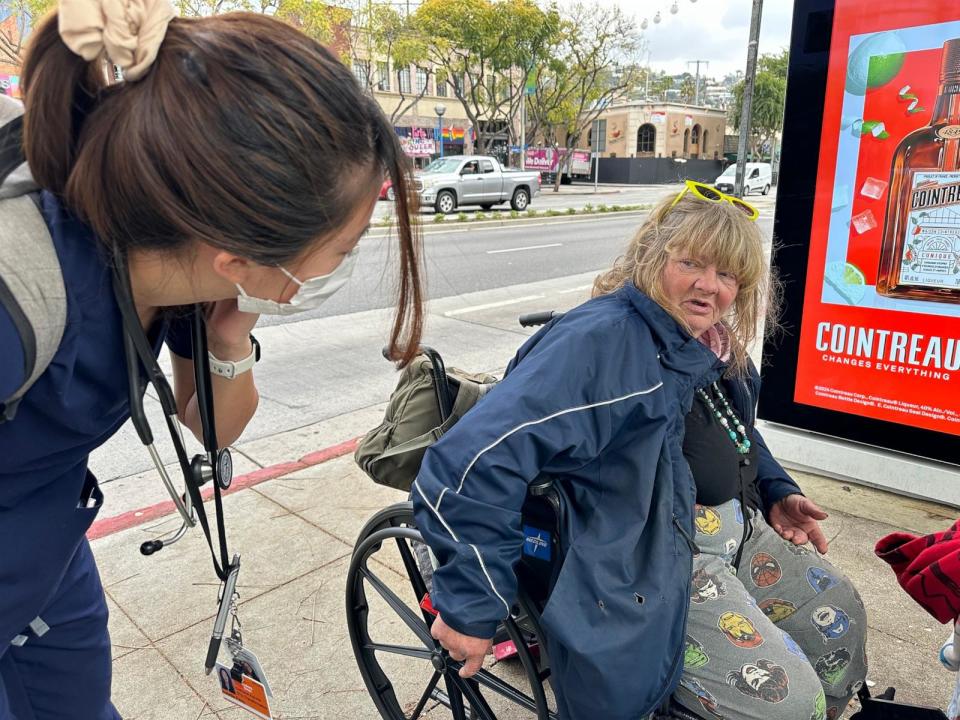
213 464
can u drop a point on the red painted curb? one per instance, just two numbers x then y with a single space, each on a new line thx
132 518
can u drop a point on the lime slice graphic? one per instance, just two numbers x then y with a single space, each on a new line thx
883 69
847 279
874 62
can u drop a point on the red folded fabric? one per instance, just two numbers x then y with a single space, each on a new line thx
928 568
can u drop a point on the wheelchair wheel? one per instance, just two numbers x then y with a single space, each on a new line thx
407 673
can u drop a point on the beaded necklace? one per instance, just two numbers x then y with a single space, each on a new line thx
727 419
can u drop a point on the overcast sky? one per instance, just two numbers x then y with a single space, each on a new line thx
714 30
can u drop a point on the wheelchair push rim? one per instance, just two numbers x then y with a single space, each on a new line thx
464 699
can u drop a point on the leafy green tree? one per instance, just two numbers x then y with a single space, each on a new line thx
688 88
769 94
593 63
319 20
377 34
324 23
486 51
660 83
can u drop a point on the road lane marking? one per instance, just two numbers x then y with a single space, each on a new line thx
576 289
488 306
451 229
526 247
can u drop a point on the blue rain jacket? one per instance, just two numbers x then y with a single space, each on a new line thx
596 400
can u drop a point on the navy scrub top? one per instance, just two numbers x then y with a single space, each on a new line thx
81 399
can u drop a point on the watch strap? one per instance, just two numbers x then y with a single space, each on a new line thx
229 369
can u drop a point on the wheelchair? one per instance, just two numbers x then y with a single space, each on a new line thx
389 616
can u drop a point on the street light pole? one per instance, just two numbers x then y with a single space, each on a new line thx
596 154
747 109
523 129
440 109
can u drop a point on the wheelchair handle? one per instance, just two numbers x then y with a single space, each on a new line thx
538 318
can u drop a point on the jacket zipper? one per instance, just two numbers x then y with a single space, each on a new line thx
749 403
686 611
694 548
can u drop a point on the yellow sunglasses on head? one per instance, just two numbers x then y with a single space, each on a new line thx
711 194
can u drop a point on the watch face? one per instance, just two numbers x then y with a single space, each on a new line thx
224 468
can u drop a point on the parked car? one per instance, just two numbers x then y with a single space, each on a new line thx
757 177
452 182
386 190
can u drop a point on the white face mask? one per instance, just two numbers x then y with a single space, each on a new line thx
310 295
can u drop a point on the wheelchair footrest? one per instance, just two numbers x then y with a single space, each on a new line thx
508 649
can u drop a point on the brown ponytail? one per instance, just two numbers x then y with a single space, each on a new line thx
245 134
70 86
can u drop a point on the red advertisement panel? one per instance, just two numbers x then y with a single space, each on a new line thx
880 334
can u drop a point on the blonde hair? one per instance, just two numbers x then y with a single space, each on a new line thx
714 233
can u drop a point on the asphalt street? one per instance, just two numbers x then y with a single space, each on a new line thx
462 259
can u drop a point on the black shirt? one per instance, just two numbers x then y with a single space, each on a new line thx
718 468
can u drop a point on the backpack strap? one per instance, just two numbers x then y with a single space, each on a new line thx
31 282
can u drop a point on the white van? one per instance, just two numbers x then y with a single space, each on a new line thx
757 178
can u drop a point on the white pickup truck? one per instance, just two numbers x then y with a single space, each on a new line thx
450 182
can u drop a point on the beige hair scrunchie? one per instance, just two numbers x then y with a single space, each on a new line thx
129 30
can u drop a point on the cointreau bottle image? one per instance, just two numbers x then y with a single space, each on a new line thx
920 254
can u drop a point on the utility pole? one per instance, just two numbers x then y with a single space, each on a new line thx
747 109
696 89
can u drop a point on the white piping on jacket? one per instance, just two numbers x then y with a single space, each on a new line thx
476 550
507 434
436 508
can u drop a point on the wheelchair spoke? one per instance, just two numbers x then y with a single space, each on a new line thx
398 606
455 698
413 652
491 681
479 708
427 694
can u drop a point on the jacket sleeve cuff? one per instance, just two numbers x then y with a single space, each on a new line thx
484 630
776 490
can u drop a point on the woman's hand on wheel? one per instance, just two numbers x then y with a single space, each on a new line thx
795 518
463 648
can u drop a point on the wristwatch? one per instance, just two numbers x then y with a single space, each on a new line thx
229 369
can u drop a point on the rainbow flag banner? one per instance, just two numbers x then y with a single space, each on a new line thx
10 85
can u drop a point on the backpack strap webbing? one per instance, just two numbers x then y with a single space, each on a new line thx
31 282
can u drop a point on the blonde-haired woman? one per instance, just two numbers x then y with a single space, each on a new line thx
640 404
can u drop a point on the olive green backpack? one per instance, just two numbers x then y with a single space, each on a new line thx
419 412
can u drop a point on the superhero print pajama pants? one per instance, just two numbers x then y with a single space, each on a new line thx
782 638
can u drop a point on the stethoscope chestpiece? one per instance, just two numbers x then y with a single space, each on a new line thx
224 468
202 472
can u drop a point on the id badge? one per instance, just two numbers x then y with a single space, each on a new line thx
245 692
246 662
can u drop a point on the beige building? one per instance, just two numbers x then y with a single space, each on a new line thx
661 129
416 91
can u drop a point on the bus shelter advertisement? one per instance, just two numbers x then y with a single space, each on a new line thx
880 335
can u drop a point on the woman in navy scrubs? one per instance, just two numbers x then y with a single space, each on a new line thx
236 164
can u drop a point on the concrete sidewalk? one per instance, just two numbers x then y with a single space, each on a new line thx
295 521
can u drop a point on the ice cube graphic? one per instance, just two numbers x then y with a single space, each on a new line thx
863 222
873 188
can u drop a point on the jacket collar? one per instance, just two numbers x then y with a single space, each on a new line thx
678 349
